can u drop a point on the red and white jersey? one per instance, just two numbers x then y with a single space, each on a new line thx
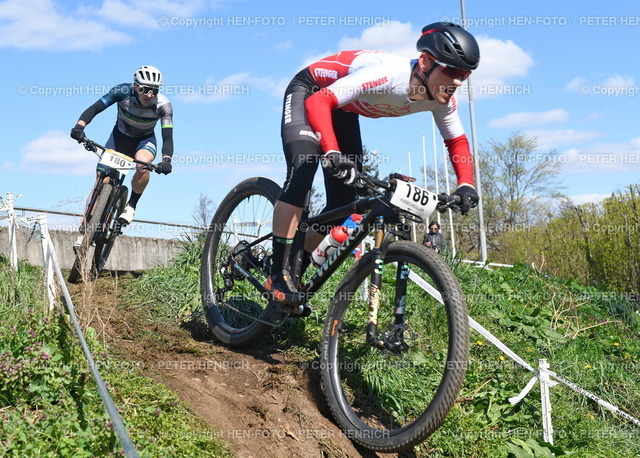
376 84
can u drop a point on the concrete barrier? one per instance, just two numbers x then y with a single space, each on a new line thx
128 253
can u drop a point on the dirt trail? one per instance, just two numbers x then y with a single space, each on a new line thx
260 402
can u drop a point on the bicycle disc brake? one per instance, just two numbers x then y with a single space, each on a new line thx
393 338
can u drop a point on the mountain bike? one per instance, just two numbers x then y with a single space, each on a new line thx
100 225
397 318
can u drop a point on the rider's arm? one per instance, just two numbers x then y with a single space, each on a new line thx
461 158
115 94
87 115
167 142
165 110
450 127
319 107
345 90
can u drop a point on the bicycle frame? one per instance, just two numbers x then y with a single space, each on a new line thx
373 222
380 214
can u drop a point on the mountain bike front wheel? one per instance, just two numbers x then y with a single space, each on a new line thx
392 394
111 229
84 267
234 267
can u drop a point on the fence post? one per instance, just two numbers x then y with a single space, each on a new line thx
13 248
547 427
47 248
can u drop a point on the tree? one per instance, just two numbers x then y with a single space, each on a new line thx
204 211
370 162
316 201
516 180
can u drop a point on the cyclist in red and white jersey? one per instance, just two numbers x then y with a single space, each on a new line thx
320 124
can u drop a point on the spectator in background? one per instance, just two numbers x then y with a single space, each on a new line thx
434 238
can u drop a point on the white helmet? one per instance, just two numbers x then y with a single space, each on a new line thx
148 76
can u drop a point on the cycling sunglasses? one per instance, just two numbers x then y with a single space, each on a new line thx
147 89
452 72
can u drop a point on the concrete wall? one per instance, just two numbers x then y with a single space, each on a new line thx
128 253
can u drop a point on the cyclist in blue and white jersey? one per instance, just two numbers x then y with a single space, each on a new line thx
140 106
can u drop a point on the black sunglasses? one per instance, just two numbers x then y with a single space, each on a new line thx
147 89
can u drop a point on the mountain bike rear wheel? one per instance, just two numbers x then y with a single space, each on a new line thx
391 396
233 270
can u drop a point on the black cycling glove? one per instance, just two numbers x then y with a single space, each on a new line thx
468 198
77 133
340 166
164 167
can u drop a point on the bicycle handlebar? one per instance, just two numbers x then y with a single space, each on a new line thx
92 146
445 201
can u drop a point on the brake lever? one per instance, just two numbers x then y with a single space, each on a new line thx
90 147
448 202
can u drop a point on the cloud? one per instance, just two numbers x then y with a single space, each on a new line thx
393 36
618 81
46 25
613 85
284 46
523 119
39 24
500 62
551 139
146 14
57 153
580 199
604 158
575 84
234 85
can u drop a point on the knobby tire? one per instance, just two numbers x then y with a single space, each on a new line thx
84 267
236 312
428 376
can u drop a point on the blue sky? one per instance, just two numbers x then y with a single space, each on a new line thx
566 72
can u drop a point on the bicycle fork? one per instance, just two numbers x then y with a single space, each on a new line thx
392 338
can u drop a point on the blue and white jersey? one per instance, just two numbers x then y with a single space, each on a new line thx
134 119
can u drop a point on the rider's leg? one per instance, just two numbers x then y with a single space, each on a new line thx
346 126
140 179
138 184
302 163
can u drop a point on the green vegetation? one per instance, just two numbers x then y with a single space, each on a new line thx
588 336
597 244
49 404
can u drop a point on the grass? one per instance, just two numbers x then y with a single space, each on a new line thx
588 336
49 404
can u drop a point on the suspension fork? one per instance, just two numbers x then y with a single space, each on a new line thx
392 339
375 284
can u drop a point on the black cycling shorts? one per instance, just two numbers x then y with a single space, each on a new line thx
302 151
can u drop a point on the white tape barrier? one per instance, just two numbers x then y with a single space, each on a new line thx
38 227
542 374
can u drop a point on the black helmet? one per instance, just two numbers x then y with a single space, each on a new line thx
450 44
